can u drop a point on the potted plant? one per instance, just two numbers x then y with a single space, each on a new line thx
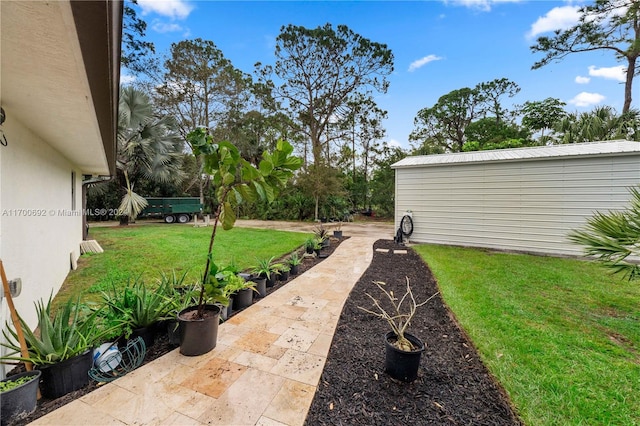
317 246
61 349
138 309
18 395
337 230
235 180
241 290
322 235
294 263
403 350
268 269
283 272
310 245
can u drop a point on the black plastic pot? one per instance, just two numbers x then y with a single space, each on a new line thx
261 286
147 333
283 276
295 269
173 331
20 401
226 311
399 364
271 281
243 299
66 376
198 336
337 234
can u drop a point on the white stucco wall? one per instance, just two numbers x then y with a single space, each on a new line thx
522 205
37 234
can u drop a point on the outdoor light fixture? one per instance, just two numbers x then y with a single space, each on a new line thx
3 140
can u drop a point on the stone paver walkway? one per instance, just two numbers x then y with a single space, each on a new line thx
263 371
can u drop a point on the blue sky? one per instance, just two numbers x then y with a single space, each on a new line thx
439 45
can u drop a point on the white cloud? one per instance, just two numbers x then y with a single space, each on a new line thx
127 79
585 99
164 27
582 80
483 5
394 143
174 9
422 62
558 18
611 73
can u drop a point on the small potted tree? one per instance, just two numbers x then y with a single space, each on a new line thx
236 180
403 350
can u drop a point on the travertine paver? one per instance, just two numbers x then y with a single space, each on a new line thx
263 371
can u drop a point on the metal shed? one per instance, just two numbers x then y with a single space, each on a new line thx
524 199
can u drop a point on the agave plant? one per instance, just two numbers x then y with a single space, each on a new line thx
63 336
614 237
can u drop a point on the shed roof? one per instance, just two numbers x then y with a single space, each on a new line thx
618 147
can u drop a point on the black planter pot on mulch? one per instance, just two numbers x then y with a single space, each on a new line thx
66 376
271 281
243 299
399 364
295 269
198 335
21 400
452 386
147 333
337 234
283 276
261 286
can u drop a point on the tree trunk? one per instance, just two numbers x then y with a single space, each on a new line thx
629 83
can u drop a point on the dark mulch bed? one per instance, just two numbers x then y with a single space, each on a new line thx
453 386
159 348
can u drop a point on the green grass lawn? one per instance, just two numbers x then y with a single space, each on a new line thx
561 335
148 250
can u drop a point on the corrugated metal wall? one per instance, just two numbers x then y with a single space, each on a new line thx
516 205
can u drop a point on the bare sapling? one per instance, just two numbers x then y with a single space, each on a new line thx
398 320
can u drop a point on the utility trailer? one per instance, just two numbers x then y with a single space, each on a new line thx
173 209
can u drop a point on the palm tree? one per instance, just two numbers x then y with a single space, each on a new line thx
614 237
149 147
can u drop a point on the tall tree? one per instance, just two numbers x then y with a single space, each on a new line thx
492 93
606 25
542 115
200 87
320 69
364 130
134 48
443 125
149 147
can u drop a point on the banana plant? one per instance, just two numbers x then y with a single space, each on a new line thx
237 181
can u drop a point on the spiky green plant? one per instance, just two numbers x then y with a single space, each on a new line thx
62 336
613 238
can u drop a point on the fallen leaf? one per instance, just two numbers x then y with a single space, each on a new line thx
331 406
